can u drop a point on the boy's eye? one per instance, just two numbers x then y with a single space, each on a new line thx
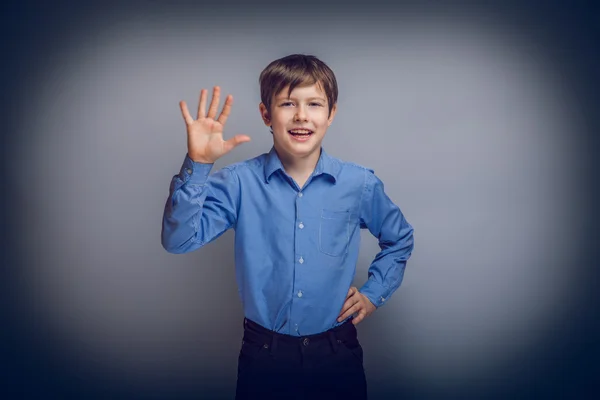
316 104
287 103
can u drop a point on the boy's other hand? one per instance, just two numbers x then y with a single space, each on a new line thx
356 302
205 133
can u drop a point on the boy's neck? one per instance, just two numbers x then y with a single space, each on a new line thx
299 168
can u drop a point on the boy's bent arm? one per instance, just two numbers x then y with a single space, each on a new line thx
385 221
200 208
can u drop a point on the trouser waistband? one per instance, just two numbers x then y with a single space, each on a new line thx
256 333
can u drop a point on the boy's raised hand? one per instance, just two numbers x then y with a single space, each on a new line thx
205 133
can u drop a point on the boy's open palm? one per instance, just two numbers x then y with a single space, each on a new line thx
205 133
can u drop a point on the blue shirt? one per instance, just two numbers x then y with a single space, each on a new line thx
295 248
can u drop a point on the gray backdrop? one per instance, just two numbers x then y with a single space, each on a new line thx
470 122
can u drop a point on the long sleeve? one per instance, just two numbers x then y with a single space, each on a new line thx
385 221
200 208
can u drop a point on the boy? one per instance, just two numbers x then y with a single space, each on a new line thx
297 213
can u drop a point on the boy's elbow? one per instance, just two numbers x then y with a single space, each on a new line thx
170 248
170 243
179 245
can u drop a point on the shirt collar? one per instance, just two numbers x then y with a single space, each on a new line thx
326 165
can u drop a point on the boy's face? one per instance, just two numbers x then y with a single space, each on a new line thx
299 122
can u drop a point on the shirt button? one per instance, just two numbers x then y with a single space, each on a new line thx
301 260
301 226
189 171
300 194
300 293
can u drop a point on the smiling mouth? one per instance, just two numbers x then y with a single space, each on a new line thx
300 132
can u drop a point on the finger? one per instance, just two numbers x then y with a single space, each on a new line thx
350 300
345 307
185 113
351 292
235 141
355 308
214 103
226 110
359 318
202 105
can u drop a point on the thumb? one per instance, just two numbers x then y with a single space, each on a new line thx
235 141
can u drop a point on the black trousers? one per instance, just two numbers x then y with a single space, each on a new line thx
327 365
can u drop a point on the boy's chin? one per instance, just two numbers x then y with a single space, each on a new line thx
302 149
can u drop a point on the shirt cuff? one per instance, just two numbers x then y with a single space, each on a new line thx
193 172
375 292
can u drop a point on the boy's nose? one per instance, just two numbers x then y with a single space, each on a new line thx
300 115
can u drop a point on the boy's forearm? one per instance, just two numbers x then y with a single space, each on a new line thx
188 221
386 222
387 269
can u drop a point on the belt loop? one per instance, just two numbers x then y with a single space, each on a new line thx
333 341
273 345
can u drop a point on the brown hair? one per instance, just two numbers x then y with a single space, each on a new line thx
297 70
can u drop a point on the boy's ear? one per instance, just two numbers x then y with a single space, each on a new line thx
332 114
264 113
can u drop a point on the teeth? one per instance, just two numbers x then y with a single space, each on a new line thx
300 131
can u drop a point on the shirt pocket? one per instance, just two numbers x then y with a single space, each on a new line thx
334 232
